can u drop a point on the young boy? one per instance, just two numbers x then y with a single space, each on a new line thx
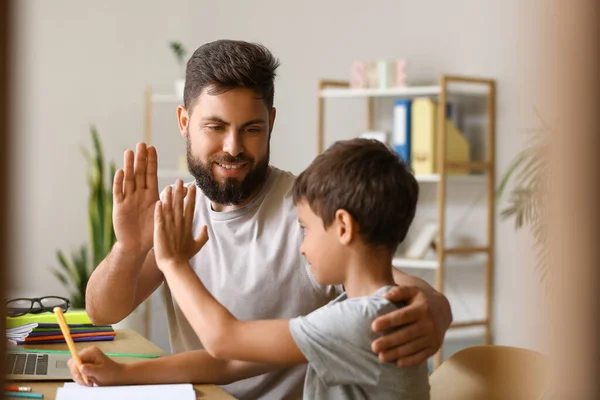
355 204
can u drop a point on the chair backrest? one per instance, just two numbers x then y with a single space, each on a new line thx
490 373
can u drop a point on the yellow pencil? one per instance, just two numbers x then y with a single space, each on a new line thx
67 334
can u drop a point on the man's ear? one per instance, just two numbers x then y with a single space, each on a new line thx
183 119
272 116
346 226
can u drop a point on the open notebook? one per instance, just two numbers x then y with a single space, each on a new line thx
73 391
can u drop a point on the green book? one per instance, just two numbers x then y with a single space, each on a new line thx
71 316
77 328
130 355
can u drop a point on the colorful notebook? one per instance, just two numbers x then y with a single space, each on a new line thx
43 328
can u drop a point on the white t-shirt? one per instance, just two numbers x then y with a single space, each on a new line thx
251 264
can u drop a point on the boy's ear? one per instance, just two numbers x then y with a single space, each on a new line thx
346 226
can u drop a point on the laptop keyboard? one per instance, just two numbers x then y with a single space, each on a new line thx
27 364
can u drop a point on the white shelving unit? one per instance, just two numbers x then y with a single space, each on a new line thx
435 178
404 92
430 264
448 86
161 98
155 304
409 263
411 91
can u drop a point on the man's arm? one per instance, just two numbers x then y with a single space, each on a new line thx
120 284
192 366
422 323
128 274
223 336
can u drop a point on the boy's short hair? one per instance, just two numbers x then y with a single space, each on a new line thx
226 64
368 180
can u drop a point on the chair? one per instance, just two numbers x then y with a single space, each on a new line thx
491 373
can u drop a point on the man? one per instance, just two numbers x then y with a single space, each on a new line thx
251 264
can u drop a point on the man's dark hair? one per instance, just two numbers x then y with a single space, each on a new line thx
226 64
369 181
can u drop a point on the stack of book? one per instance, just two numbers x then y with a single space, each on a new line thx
43 328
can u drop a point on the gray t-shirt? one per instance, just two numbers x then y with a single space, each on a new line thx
252 266
336 341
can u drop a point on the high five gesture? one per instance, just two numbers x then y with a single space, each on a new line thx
135 192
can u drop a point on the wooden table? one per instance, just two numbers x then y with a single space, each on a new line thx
126 341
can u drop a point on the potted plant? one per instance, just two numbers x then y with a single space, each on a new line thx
180 53
74 272
530 173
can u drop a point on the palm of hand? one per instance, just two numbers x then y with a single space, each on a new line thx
134 223
135 191
175 246
174 243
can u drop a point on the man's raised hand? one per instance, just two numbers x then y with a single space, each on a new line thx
135 192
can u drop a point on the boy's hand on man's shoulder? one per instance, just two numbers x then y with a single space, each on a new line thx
420 326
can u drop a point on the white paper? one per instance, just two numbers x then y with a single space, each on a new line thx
74 391
20 332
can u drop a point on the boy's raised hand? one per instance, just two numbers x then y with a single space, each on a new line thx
174 243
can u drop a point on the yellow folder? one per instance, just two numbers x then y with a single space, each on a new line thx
423 139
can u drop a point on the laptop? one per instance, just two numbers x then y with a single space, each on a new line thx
37 366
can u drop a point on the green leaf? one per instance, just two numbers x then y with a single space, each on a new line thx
509 172
77 300
178 50
530 173
95 227
76 271
86 154
67 266
61 277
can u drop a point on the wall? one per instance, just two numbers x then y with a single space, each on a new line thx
83 63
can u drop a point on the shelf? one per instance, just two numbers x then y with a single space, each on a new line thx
482 165
433 178
468 324
466 255
167 98
465 333
467 250
399 262
409 263
408 91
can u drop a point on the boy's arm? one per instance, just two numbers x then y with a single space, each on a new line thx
188 367
222 335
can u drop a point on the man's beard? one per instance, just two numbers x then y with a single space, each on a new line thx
231 191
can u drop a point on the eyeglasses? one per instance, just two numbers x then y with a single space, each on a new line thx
22 306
